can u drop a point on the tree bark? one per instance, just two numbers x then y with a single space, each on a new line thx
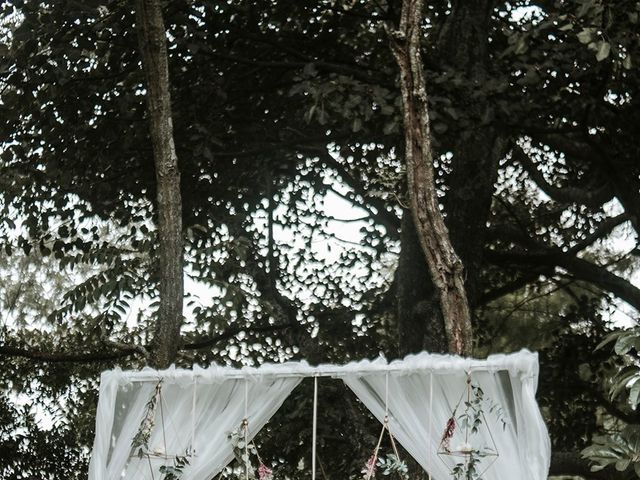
445 266
460 47
153 48
420 325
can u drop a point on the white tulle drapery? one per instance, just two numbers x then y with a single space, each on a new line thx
193 418
198 408
420 393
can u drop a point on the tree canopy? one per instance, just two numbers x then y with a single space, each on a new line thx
288 129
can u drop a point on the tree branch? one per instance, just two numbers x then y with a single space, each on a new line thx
358 72
66 357
579 269
125 350
529 277
337 68
616 166
228 334
381 214
603 229
595 198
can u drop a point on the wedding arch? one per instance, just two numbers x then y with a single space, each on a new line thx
442 409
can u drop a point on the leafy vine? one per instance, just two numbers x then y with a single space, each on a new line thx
140 441
243 451
470 419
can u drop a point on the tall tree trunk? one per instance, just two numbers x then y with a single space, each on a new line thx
420 325
461 48
444 265
153 47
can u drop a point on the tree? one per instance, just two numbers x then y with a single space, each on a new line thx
533 146
152 44
444 265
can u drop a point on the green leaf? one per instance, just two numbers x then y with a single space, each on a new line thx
622 465
622 379
390 127
585 7
604 49
610 339
584 371
634 393
387 110
586 35
521 46
626 343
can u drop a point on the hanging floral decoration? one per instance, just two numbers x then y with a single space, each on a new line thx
389 465
243 452
449 430
264 472
140 442
467 435
370 467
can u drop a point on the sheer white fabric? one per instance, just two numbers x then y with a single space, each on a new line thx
194 413
199 408
510 381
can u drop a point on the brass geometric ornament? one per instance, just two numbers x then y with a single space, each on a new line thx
467 446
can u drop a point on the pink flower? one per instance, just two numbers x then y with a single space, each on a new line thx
448 433
369 469
264 472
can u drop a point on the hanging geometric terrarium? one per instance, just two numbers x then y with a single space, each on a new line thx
390 465
467 447
158 457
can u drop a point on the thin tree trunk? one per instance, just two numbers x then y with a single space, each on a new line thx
153 48
444 265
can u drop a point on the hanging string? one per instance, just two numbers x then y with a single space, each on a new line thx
466 431
430 443
193 417
393 444
371 464
164 430
386 396
315 427
246 399
386 415
245 425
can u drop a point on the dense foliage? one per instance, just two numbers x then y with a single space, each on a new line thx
287 128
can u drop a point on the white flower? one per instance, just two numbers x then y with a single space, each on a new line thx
464 447
159 451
